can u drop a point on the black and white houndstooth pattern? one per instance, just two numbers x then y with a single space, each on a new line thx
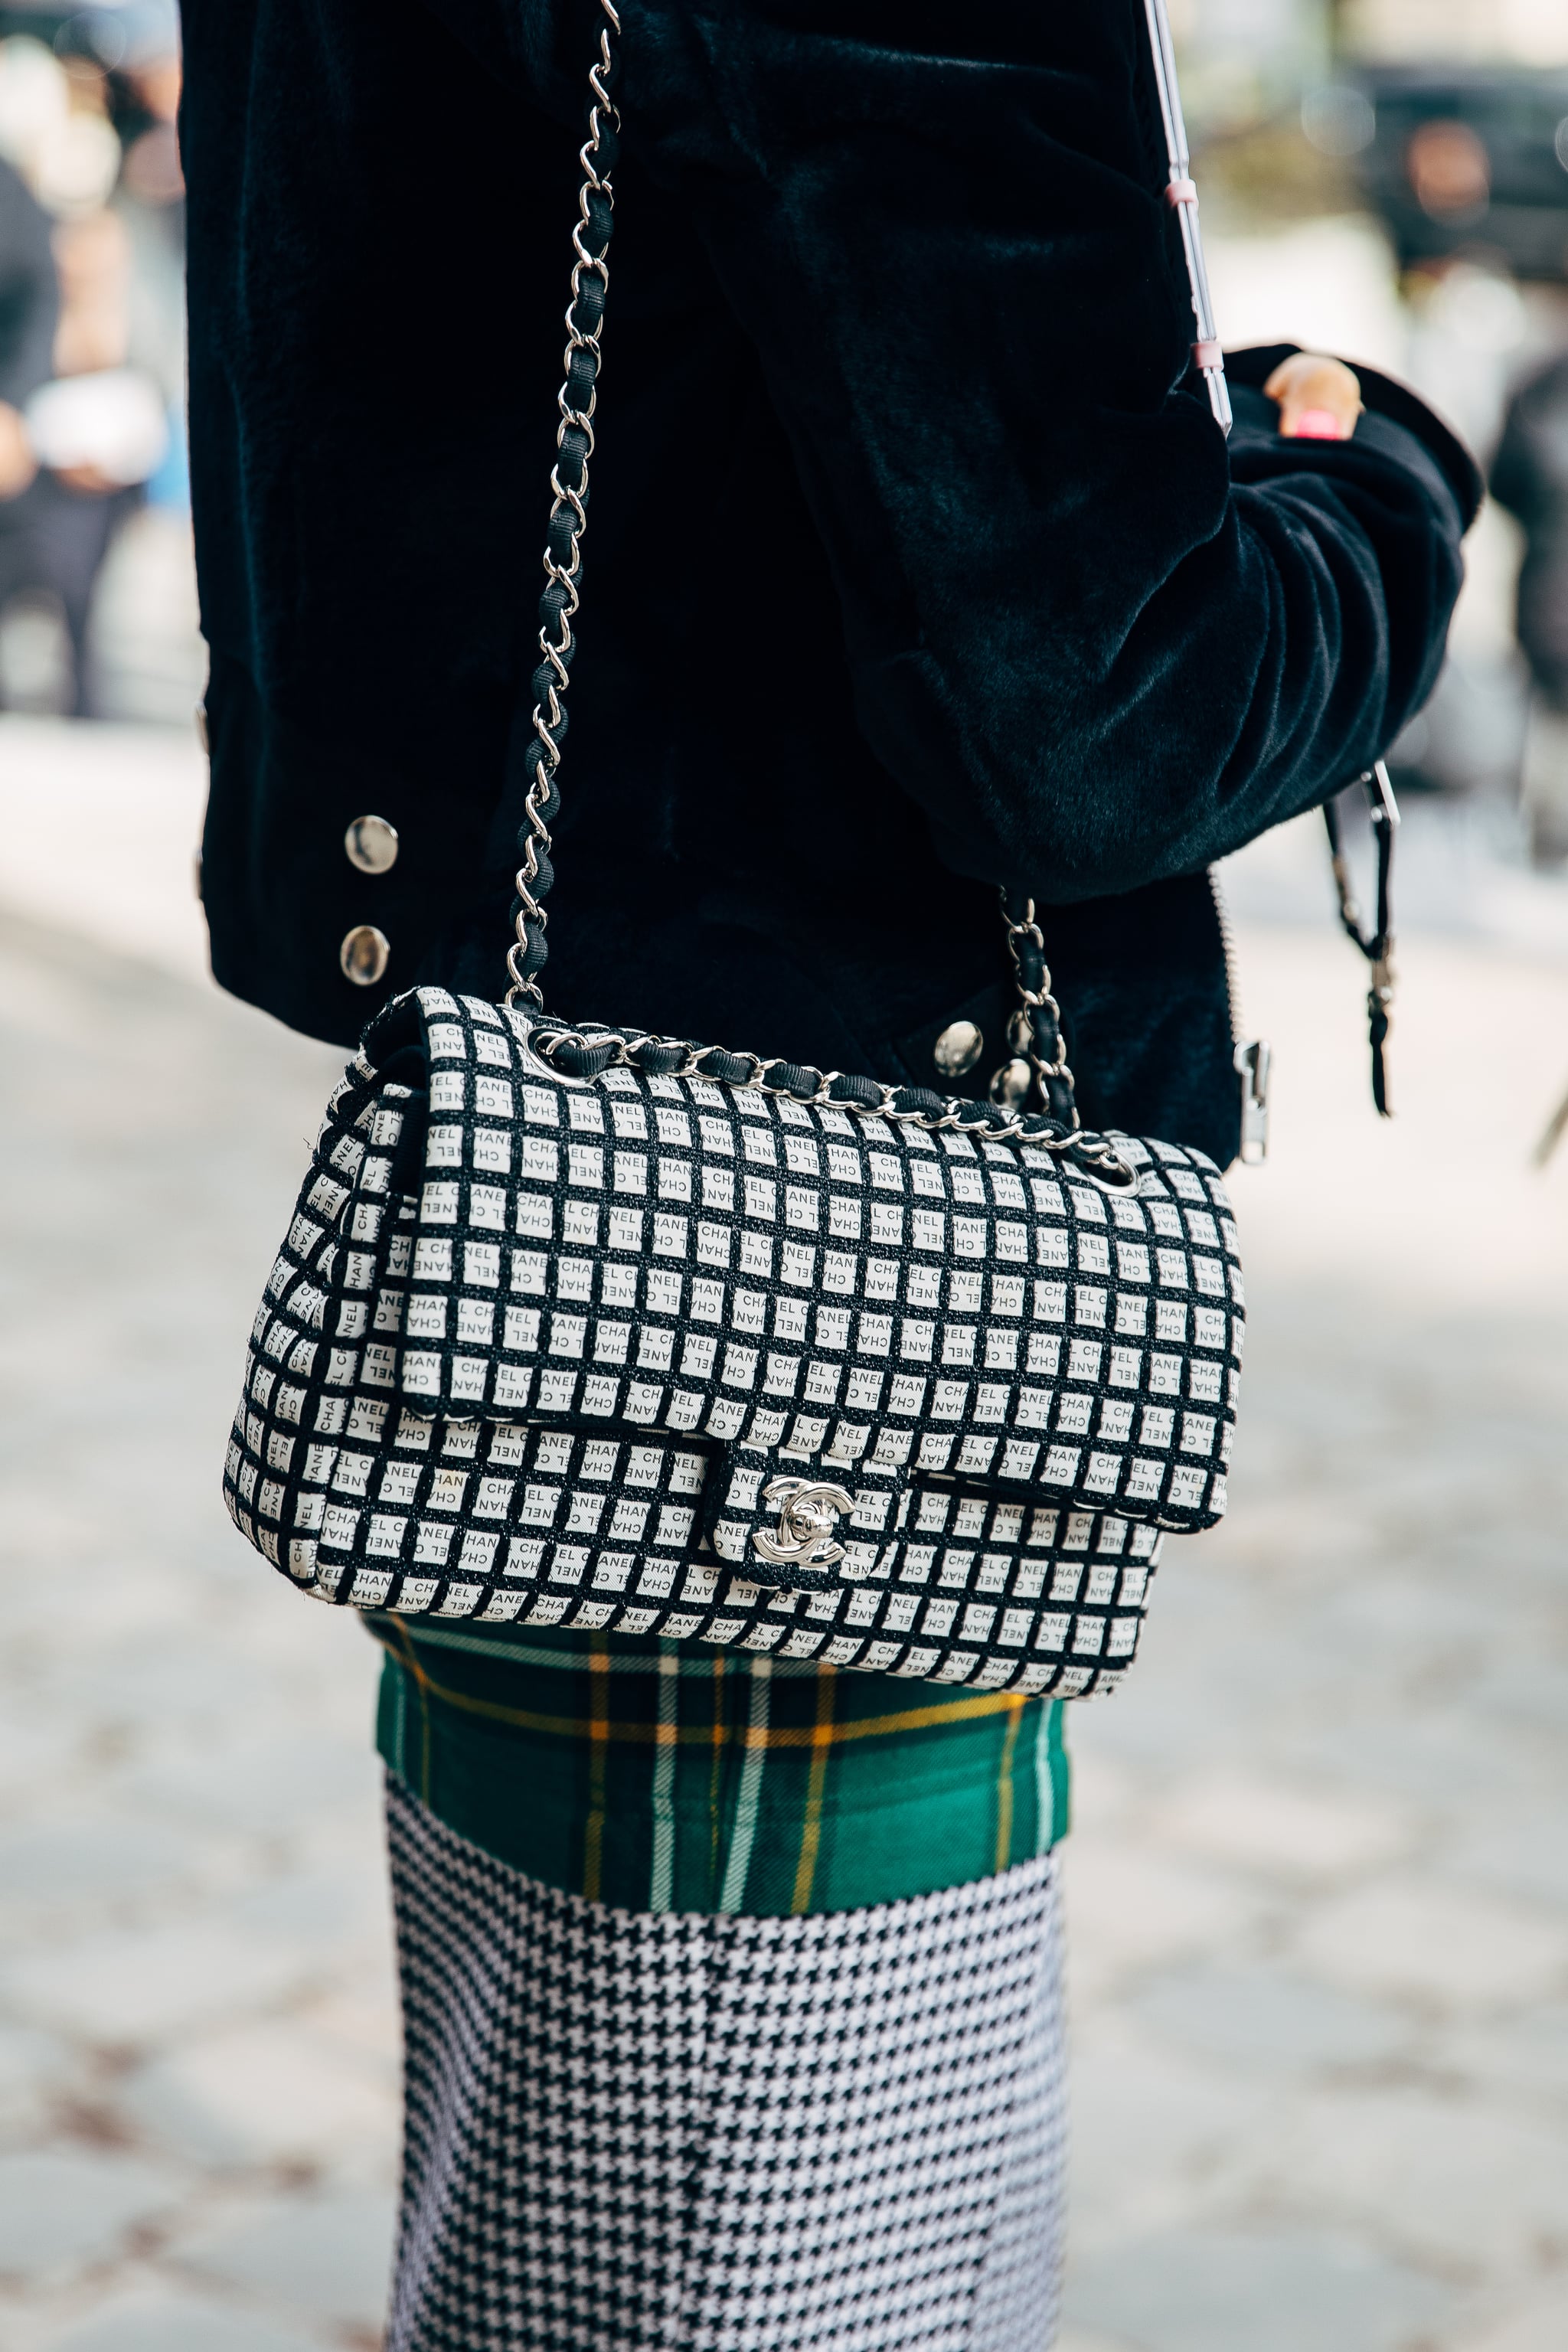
635 2132
503 1346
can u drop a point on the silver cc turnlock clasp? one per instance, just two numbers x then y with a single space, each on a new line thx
808 1513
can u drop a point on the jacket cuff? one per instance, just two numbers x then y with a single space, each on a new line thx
1381 395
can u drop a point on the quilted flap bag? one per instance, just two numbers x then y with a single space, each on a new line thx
584 1326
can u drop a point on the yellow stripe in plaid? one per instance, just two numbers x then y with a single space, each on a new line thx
816 1787
659 1778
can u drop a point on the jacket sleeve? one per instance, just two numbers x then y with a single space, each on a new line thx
1098 646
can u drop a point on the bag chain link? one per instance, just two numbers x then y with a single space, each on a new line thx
1034 1029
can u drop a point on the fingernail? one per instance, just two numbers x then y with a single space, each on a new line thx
1314 424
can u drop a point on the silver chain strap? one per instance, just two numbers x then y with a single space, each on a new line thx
577 400
1003 1119
1038 1018
595 1050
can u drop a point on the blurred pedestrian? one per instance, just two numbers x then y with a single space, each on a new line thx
29 307
918 564
1529 476
97 424
98 430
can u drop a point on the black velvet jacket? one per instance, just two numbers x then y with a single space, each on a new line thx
914 566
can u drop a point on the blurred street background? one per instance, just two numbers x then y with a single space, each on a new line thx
1318 1885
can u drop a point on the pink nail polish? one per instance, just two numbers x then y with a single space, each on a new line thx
1316 425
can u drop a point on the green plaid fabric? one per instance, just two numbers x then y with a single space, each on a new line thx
656 1778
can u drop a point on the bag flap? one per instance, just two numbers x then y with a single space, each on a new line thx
664 1253
802 1524
788 1521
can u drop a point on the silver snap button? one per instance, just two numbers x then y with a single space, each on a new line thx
958 1048
364 955
1010 1085
372 844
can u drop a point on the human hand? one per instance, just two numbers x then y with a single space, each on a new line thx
18 463
1319 399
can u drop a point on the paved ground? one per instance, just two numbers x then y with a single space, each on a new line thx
1319 1886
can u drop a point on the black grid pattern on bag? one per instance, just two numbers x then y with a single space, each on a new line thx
588 1519
676 1253
546 1528
845 2130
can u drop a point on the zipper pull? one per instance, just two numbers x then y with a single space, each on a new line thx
1253 1062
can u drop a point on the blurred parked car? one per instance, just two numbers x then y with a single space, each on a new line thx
1467 159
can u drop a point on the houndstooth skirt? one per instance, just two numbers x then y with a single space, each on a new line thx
642 2132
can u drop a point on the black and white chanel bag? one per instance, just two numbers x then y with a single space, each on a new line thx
590 1327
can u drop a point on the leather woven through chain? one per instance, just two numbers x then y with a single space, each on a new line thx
585 1053
568 515
588 1052
1035 1030
1035 1027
